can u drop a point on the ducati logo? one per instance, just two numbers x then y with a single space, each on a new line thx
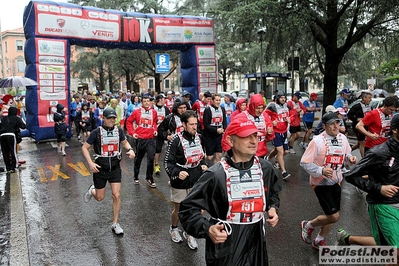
61 22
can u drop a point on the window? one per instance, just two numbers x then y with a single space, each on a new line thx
166 84
20 45
21 65
151 84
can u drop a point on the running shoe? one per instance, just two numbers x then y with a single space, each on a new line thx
117 229
306 234
175 233
191 241
276 165
136 181
285 175
157 169
63 153
316 245
151 183
291 150
88 194
341 236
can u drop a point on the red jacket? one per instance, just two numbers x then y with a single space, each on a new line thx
295 114
144 128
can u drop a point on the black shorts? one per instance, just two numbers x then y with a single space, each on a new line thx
61 138
159 144
213 144
307 125
295 129
100 179
359 135
329 198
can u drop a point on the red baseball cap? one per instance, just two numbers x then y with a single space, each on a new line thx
313 95
242 127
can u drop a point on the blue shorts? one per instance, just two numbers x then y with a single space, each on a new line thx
280 139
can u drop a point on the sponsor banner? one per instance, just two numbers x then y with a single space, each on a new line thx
358 255
52 20
182 30
207 72
51 78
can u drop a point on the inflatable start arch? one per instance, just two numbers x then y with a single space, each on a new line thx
50 28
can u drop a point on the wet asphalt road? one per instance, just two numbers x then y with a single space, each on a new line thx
44 220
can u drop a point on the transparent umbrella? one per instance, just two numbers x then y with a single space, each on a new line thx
16 81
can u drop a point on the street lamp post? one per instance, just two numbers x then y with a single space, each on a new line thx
260 33
297 47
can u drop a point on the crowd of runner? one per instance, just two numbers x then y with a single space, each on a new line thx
211 145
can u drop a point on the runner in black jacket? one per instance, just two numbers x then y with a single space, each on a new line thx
237 192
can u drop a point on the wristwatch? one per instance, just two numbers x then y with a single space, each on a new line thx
131 149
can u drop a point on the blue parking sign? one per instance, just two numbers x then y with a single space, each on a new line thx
162 63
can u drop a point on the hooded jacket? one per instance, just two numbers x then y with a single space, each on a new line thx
12 123
135 118
60 127
279 112
246 244
238 110
168 125
381 164
256 100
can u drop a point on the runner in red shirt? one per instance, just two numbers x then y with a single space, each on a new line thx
378 122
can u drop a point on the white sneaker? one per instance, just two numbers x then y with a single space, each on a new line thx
88 194
276 165
303 145
117 229
291 150
175 233
191 241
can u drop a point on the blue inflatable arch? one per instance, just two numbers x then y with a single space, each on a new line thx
50 28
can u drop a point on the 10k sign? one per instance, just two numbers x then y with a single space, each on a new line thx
162 63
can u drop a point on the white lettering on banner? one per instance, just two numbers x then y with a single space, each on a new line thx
144 35
52 96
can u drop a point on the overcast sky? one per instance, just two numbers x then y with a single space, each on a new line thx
12 11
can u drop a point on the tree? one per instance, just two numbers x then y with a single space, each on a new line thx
337 26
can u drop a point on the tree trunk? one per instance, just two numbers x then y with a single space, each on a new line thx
331 77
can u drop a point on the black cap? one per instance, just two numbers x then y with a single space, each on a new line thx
298 94
109 112
395 122
329 118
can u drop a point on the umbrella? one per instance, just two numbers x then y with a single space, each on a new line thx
377 92
16 81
